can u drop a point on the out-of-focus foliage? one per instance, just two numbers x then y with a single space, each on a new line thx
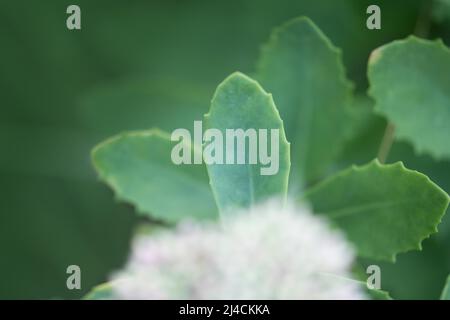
304 71
446 291
133 66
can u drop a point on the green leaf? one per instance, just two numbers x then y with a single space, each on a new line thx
376 294
436 170
141 103
304 72
383 209
240 103
410 81
441 10
138 167
100 292
446 291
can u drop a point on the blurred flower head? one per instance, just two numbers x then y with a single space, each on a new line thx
271 251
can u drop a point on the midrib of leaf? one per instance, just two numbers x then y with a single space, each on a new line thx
167 170
241 186
163 167
111 181
339 213
416 200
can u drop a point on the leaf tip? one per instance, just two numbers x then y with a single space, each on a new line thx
375 56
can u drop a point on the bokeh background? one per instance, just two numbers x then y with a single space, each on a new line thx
136 65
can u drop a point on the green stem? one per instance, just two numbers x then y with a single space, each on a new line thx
423 23
386 143
422 29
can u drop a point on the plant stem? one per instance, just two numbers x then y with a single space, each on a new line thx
386 143
421 29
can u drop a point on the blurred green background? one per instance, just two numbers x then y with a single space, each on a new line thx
139 64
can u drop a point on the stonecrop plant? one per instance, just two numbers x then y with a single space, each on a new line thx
226 231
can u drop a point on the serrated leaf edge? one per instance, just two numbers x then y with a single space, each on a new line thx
105 178
397 165
274 37
375 57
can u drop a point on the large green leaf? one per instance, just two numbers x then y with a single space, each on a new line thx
240 103
410 81
436 170
138 167
304 72
384 209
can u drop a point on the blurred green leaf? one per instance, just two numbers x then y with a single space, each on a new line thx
100 292
437 171
56 222
410 82
304 72
441 10
240 103
376 294
141 103
138 167
384 209
401 278
446 291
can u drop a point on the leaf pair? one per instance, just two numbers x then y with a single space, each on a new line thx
305 72
138 166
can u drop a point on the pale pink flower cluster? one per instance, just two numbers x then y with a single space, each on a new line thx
271 251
